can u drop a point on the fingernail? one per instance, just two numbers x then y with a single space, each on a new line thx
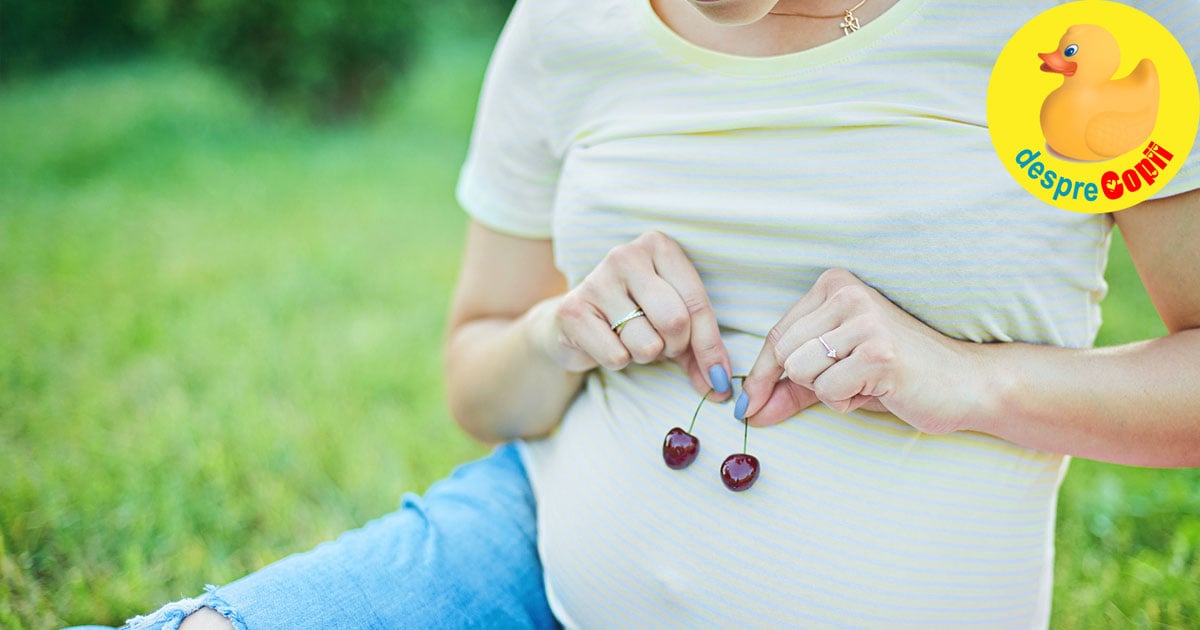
719 378
739 408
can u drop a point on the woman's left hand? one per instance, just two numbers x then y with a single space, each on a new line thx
886 360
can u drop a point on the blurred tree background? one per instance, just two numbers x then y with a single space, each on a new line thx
327 59
228 238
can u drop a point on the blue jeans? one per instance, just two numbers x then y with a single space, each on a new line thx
463 556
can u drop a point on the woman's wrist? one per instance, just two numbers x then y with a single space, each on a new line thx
991 387
537 326
508 385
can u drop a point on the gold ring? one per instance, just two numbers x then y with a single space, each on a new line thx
620 323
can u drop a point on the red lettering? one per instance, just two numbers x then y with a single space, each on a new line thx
1147 171
1110 183
1132 181
1154 151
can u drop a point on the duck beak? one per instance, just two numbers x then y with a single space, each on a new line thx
1056 62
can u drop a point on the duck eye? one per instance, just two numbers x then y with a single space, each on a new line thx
1071 50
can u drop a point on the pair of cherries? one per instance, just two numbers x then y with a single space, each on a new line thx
680 448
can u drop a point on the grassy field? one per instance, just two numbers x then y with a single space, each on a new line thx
219 344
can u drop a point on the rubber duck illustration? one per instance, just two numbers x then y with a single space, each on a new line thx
1093 116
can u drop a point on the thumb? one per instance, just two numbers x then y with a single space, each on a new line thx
760 381
786 400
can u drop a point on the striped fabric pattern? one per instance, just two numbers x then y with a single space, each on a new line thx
870 153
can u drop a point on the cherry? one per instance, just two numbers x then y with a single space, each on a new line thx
739 471
680 448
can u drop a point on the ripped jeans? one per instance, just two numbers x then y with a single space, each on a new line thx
464 555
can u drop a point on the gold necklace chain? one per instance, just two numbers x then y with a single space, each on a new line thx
849 23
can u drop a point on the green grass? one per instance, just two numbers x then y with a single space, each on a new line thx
219 333
1128 538
220 344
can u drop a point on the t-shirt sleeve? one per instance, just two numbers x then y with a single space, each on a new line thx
511 171
1181 19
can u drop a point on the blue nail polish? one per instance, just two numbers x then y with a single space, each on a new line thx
739 408
719 378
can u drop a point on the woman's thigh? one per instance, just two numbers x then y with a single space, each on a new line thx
463 555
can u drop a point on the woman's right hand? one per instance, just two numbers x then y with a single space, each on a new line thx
651 273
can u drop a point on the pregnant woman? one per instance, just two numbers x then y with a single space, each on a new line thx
667 193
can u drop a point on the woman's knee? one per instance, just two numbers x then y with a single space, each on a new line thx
206 619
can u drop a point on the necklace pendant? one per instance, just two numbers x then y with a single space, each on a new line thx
849 23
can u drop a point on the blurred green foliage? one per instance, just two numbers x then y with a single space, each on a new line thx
41 34
327 60
219 328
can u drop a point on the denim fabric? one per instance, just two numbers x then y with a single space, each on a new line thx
463 556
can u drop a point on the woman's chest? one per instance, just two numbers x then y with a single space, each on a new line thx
913 204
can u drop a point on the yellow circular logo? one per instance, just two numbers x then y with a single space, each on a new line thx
1093 106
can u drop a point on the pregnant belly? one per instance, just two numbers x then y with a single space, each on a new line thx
855 520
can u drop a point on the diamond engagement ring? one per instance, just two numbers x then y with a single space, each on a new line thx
620 323
829 351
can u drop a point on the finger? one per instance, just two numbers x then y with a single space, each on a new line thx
642 341
858 375
586 329
786 400
645 346
811 359
768 366
665 310
874 404
836 295
827 317
612 295
804 367
705 342
825 287
860 401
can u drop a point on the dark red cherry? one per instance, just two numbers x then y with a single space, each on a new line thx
739 471
680 448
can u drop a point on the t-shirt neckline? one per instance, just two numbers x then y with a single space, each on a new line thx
728 63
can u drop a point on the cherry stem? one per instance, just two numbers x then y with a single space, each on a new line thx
710 391
745 433
745 424
697 412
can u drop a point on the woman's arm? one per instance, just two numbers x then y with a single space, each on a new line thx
1133 404
518 343
500 385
